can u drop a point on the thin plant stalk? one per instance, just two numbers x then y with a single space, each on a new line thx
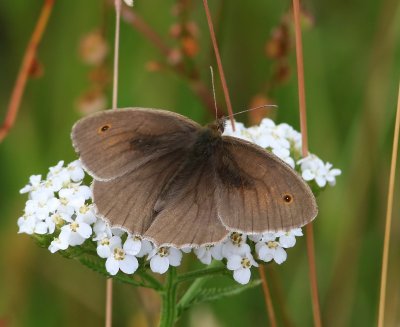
198 87
219 63
109 285
27 61
389 209
267 296
303 128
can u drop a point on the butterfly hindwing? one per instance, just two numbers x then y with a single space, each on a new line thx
114 142
188 213
257 192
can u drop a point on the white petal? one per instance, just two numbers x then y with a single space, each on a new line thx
103 251
41 228
234 262
216 252
132 246
115 242
159 264
75 239
175 257
242 275
84 230
280 255
112 265
308 175
321 181
145 248
129 264
287 241
265 253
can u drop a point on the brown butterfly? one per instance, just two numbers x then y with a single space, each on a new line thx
162 176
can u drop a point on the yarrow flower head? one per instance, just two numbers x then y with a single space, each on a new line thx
59 212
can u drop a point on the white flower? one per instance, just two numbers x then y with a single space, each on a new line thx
288 239
76 232
145 249
27 224
241 264
132 245
235 244
284 154
75 170
270 136
56 219
57 177
206 253
70 201
119 259
313 168
34 183
163 257
271 251
101 230
41 204
59 243
240 132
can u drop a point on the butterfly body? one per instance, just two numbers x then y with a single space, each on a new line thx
162 176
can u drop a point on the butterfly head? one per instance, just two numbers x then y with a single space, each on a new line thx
218 126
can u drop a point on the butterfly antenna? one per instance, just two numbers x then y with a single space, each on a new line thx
259 107
213 88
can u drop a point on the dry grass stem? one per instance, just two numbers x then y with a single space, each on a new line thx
303 128
389 209
267 297
198 87
28 60
219 63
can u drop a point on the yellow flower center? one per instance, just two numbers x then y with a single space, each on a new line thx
84 209
57 219
105 241
246 263
119 254
272 244
74 226
163 252
236 238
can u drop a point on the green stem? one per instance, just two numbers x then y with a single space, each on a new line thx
169 313
190 294
201 273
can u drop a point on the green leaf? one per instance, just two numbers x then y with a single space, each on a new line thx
212 294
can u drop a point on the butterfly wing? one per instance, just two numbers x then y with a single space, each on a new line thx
257 192
128 201
114 142
187 211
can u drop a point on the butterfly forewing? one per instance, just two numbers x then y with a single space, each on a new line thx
114 142
257 192
128 201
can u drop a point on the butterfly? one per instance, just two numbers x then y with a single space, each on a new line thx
164 177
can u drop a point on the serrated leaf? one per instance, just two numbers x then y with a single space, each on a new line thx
216 293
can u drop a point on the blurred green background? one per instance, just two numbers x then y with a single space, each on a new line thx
352 64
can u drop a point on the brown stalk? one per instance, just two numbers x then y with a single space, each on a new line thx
389 209
109 283
27 61
267 296
219 63
198 87
303 128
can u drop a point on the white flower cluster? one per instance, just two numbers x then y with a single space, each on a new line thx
285 142
60 207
